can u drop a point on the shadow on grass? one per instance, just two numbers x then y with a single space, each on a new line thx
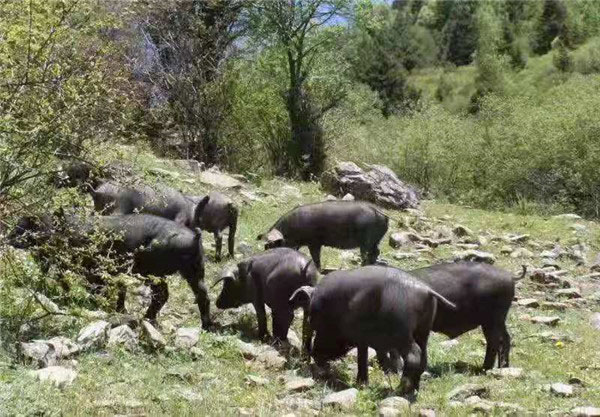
458 367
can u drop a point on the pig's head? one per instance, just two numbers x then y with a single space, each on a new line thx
273 239
236 286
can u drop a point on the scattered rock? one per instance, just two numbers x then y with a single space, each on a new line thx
245 249
468 390
448 344
400 256
475 256
298 384
59 376
479 405
578 227
348 197
38 352
379 185
187 164
518 238
294 340
426 412
568 216
467 246
267 355
152 335
528 302
568 293
506 372
343 399
545 277
196 353
462 231
241 411
94 334
549 305
549 321
561 390
186 337
218 179
506 250
256 380
164 172
551 337
521 253
122 335
394 406
371 354
585 412
330 197
595 321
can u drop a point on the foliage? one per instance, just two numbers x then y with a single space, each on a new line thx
550 24
561 58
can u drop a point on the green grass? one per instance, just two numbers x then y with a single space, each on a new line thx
173 383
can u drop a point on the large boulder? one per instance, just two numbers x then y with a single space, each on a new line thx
379 185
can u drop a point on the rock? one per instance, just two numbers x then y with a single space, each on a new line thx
578 227
164 172
518 238
298 384
152 335
399 239
38 352
521 253
426 412
241 411
479 405
94 334
348 197
186 337
561 390
245 249
299 403
568 216
568 293
468 390
196 353
542 276
379 185
371 354
400 256
288 190
467 246
554 338
475 256
59 376
343 399
330 197
294 340
218 179
48 305
448 344
585 412
267 355
400 406
506 250
462 231
549 321
549 305
251 196
550 263
595 321
187 165
389 412
506 372
528 302
256 380
122 335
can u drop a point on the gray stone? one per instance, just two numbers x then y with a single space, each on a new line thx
595 321
161 172
152 335
561 390
348 197
298 384
47 304
343 399
371 354
245 249
400 256
578 227
94 334
426 412
330 197
568 293
38 352
256 380
186 337
122 335
196 353
518 238
528 302
396 406
506 250
568 216
479 405
506 372
549 305
389 412
60 376
549 321
521 253
218 179
468 390
448 344
462 231
294 340
475 256
379 185
585 412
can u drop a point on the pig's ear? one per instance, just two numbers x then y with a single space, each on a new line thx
228 274
301 297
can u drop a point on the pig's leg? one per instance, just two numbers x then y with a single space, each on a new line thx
363 365
493 338
503 357
282 319
218 244
315 253
160 295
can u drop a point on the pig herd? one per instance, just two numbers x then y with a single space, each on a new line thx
376 306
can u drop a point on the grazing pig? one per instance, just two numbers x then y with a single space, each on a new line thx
268 278
338 224
218 212
373 306
483 294
159 247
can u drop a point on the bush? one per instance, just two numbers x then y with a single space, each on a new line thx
586 59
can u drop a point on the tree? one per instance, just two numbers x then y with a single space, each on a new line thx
549 25
303 30
459 34
184 53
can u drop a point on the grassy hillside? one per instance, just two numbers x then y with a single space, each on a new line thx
216 379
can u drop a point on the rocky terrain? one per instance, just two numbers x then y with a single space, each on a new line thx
105 364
